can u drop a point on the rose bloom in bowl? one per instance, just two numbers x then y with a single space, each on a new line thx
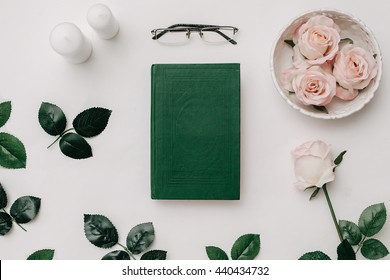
326 64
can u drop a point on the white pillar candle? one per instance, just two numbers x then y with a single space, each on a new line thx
101 19
67 40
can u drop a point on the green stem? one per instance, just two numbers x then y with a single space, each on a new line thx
332 213
361 244
20 226
15 221
59 137
127 251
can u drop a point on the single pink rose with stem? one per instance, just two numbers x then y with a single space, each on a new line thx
314 168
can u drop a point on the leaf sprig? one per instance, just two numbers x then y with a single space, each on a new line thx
22 211
42 255
246 247
102 233
88 123
371 221
12 151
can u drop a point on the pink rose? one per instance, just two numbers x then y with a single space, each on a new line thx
313 165
313 86
318 39
354 68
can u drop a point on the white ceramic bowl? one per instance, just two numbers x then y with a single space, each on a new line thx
351 27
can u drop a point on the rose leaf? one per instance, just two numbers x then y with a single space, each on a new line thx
116 255
25 208
373 249
372 219
12 152
5 112
246 247
216 253
91 122
350 231
51 118
140 237
45 254
100 231
313 256
154 255
75 146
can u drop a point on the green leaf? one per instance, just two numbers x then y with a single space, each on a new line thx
91 122
321 109
25 208
5 112
290 43
116 255
140 237
3 197
12 152
5 223
100 231
75 146
216 253
372 219
45 254
155 255
246 247
314 256
51 118
373 249
314 194
345 251
339 158
346 40
350 231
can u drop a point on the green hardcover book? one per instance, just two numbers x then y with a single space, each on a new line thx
195 131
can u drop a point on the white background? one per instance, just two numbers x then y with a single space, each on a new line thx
116 181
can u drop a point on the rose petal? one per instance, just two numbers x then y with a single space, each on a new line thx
346 94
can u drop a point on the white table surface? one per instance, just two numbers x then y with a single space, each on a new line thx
116 181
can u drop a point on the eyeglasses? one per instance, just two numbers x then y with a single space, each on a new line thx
181 33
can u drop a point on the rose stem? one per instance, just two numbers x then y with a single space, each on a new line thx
332 212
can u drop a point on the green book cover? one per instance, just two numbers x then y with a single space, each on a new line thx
195 131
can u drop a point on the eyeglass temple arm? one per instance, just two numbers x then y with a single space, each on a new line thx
225 36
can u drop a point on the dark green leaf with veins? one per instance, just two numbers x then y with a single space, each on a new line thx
100 231
52 119
75 146
5 223
246 247
116 255
373 249
12 152
42 255
216 253
351 232
140 237
372 219
25 208
154 255
91 122
314 256
5 112
3 197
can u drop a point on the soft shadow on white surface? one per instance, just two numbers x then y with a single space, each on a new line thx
115 182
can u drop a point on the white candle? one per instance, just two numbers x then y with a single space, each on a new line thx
101 19
67 40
